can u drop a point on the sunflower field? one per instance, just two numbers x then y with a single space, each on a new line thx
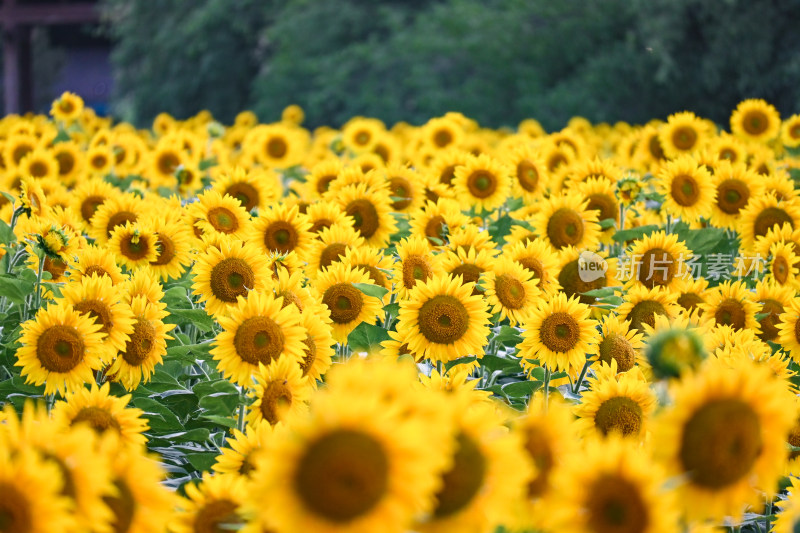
433 328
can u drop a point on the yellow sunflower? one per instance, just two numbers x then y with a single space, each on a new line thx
618 343
537 257
600 194
530 171
691 293
619 404
247 187
214 213
471 236
330 248
566 220
238 459
442 133
468 265
40 163
406 187
683 133
99 161
257 331
788 516
89 195
318 352
281 229
370 211
659 260
372 261
281 393
133 244
348 466
173 247
443 165
213 504
559 335
103 412
145 349
641 305
773 300
688 190
114 211
574 279
442 320
726 147
755 120
348 306
790 132
736 185
719 434
67 108
482 182
416 263
359 134
95 260
322 214
322 175
221 275
512 291
435 220
614 486
731 304
789 329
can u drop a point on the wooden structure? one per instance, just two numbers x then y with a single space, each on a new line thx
17 18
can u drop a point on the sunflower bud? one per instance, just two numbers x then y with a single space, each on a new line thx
673 351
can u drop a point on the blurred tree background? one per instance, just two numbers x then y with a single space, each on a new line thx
497 61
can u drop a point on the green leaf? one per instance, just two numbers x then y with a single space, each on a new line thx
190 353
6 233
392 309
202 460
607 223
632 234
16 289
225 421
376 291
762 316
198 435
61 137
460 361
508 336
215 387
521 389
366 337
493 363
9 197
196 317
601 293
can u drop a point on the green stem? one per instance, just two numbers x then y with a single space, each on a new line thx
240 418
37 300
546 385
580 378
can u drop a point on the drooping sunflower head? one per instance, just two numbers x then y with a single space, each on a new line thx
755 120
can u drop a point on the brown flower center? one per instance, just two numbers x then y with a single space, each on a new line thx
565 228
684 138
245 193
538 447
559 332
333 253
464 480
769 324
732 196
230 278
141 342
122 505
165 248
657 268
443 319
365 217
619 414
527 175
99 419
645 312
258 339
280 236
618 348
119 219
731 313
436 228
276 147
415 268
344 301
482 184
616 506
400 188
222 220
168 163
769 218
275 401
510 292
685 190
216 516
572 284
309 355
755 122
605 205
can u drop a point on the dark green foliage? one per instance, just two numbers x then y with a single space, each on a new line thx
498 61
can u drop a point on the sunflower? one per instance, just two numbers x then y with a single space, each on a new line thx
790 132
322 175
683 133
247 187
214 213
32 495
67 108
659 260
600 194
469 237
416 263
221 275
348 305
789 329
359 134
139 502
435 220
99 161
39 163
614 486
103 412
16 147
736 185
443 166
173 246
572 278
720 435
372 261
145 349
618 404
142 284
468 265
406 187
641 305
565 220
549 440
213 504
755 120
346 467
238 459
782 264
488 473
370 212
687 188
482 182
512 291
442 133
281 392
537 257
788 516
318 352
442 320
530 171
134 245
276 145
114 211
32 198
691 293
89 195
165 161
773 299
731 304
281 229
257 331
99 299
322 214
95 260
618 343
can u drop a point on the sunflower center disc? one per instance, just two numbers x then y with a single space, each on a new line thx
685 190
481 184
168 163
565 228
620 414
469 274
721 442
230 278
374 273
732 196
443 319
534 266
217 516
415 268
276 148
559 332
333 253
436 228
616 506
245 193
276 400
38 169
99 419
400 187
657 268
258 339
60 348
222 220
90 205
690 301
96 269
365 215
527 175
309 355
442 138
684 138
119 219
769 218
15 510
510 292
166 251
755 122
342 475
464 479
280 236
538 447
731 313
123 506
140 343
617 347
780 269
645 312
344 301
605 205
135 250
769 324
